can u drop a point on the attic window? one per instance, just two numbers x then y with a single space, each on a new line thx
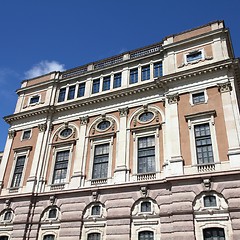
194 56
34 99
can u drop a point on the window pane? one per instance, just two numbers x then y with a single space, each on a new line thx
146 116
145 73
194 56
4 238
96 86
117 82
49 237
133 75
81 90
210 201
96 210
198 98
93 236
213 234
106 83
145 235
8 215
158 69
71 92
61 96
52 213
26 134
145 207
34 99
17 176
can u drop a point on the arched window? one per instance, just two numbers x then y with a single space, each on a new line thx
210 201
96 210
52 213
93 236
145 235
146 206
213 234
3 237
49 237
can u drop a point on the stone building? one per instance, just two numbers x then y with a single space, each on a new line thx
144 145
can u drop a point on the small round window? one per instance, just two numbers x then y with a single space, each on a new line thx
146 117
66 132
104 125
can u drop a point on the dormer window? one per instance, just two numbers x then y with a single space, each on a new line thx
34 99
194 56
210 201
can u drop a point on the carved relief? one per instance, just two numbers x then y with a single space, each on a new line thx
42 127
123 112
11 134
173 98
224 87
84 120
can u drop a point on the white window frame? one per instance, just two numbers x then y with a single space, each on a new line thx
194 61
94 205
32 104
196 92
18 153
55 151
136 136
3 216
57 214
140 207
95 142
22 139
217 201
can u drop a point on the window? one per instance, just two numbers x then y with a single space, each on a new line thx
7 215
145 73
104 125
203 143
145 235
146 154
71 92
18 171
96 210
26 134
52 213
81 90
157 69
198 98
213 234
60 169
3 237
210 201
146 117
106 83
117 81
96 86
66 132
194 56
34 99
49 237
61 96
100 161
133 75
146 206
93 236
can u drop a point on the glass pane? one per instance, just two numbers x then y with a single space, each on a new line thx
117 80
96 210
133 75
103 125
93 236
66 132
96 86
34 99
71 92
106 83
145 73
158 69
145 235
49 237
52 213
81 90
146 116
61 96
145 207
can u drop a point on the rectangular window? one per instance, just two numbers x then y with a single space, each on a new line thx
81 90
157 69
194 56
96 86
198 98
133 76
60 168
117 81
203 144
100 161
146 73
26 134
62 94
106 83
34 99
146 154
71 92
18 171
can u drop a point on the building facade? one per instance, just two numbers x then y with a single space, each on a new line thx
144 145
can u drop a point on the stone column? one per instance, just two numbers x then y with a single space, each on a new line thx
6 153
175 160
31 182
120 173
231 124
78 167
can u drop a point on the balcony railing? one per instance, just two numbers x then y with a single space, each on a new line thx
146 176
209 167
59 186
98 181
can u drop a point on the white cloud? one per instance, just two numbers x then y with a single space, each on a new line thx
44 67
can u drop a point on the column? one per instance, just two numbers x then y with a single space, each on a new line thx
120 173
230 124
175 160
78 169
6 153
32 179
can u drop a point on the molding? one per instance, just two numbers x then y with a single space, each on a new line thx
173 98
22 149
84 120
224 87
123 112
42 127
201 114
11 134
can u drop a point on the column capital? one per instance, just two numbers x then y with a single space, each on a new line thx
224 87
42 127
173 98
11 134
84 120
123 112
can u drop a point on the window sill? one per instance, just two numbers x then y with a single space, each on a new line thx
57 186
99 181
146 176
208 167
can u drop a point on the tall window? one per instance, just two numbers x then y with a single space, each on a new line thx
96 86
62 94
49 237
203 144
18 171
106 83
117 81
81 90
60 169
146 154
93 236
145 235
213 234
100 161
71 92
133 75
145 73
157 69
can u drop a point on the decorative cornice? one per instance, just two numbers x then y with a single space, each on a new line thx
224 87
123 112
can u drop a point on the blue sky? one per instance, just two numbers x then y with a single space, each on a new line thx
39 36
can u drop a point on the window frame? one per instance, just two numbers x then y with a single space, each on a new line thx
115 79
145 72
65 94
136 75
23 132
79 86
193 52
191 100
34 96
98 81
160 69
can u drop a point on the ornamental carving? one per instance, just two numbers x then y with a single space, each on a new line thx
11 134
123 112
224 87
173 98
84 120
42 127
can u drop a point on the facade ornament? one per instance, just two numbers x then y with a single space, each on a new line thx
11 134
66 125
95 195
123 112
145 108
144 190
84 120
173 98
52 199
207 184
7 203
103 116
42 127
224 87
